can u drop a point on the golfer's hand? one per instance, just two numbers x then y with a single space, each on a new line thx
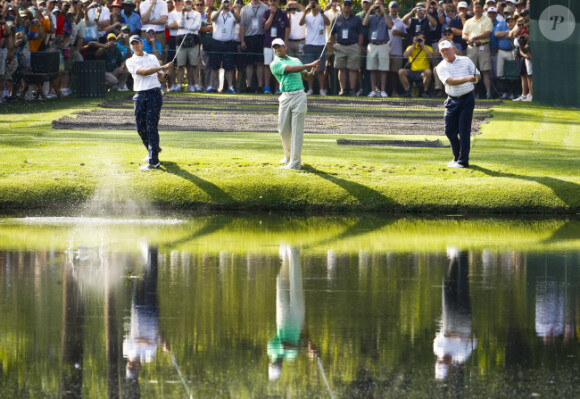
167 66
315 65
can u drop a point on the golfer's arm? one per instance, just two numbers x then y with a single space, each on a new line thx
149 71
296 68
460 81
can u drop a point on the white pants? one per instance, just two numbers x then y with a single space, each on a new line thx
502 57
291 116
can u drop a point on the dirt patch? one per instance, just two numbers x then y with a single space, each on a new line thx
352 115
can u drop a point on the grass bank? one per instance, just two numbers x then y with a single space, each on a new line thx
525 161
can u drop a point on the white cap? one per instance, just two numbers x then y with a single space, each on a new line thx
366 1
512 1
492 9
445 44
278 41
462 4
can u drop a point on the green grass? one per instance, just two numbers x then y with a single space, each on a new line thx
526 161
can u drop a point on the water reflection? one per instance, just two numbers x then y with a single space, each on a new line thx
454 342
251 308
140 344
289 312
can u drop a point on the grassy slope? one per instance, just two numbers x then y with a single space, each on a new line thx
526 160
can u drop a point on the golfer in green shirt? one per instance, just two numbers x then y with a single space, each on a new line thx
289 72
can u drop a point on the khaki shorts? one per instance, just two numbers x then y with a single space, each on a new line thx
396 62
378 57
188 55
347 56
481 56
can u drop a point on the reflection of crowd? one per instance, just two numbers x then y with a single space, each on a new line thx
394 52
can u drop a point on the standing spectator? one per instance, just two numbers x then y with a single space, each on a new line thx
420 22
147 74
332 10
252 42
378 48
494 42
101 15
525 56
188 23
205 36
366 5
116 73
420 56
289 72
223 50
132 19
476 33
506 48
154 15
438 15
498 8
297 36
276 26
239 57
172 27
396 35
4 44
456 24
459 75
315 20
117 18
347 41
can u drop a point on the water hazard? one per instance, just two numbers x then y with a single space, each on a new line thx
268 307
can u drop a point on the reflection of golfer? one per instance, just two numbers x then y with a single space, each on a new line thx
454 342
289 72
140 346
147 74
289 311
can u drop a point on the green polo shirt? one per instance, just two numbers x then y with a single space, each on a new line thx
288 81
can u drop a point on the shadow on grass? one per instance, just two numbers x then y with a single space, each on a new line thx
568 192
365 195
216 193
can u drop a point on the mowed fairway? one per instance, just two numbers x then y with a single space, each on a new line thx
526 160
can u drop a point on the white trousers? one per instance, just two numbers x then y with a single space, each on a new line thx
291 116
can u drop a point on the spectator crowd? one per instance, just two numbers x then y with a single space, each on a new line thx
226 47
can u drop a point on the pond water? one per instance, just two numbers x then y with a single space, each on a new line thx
302 307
